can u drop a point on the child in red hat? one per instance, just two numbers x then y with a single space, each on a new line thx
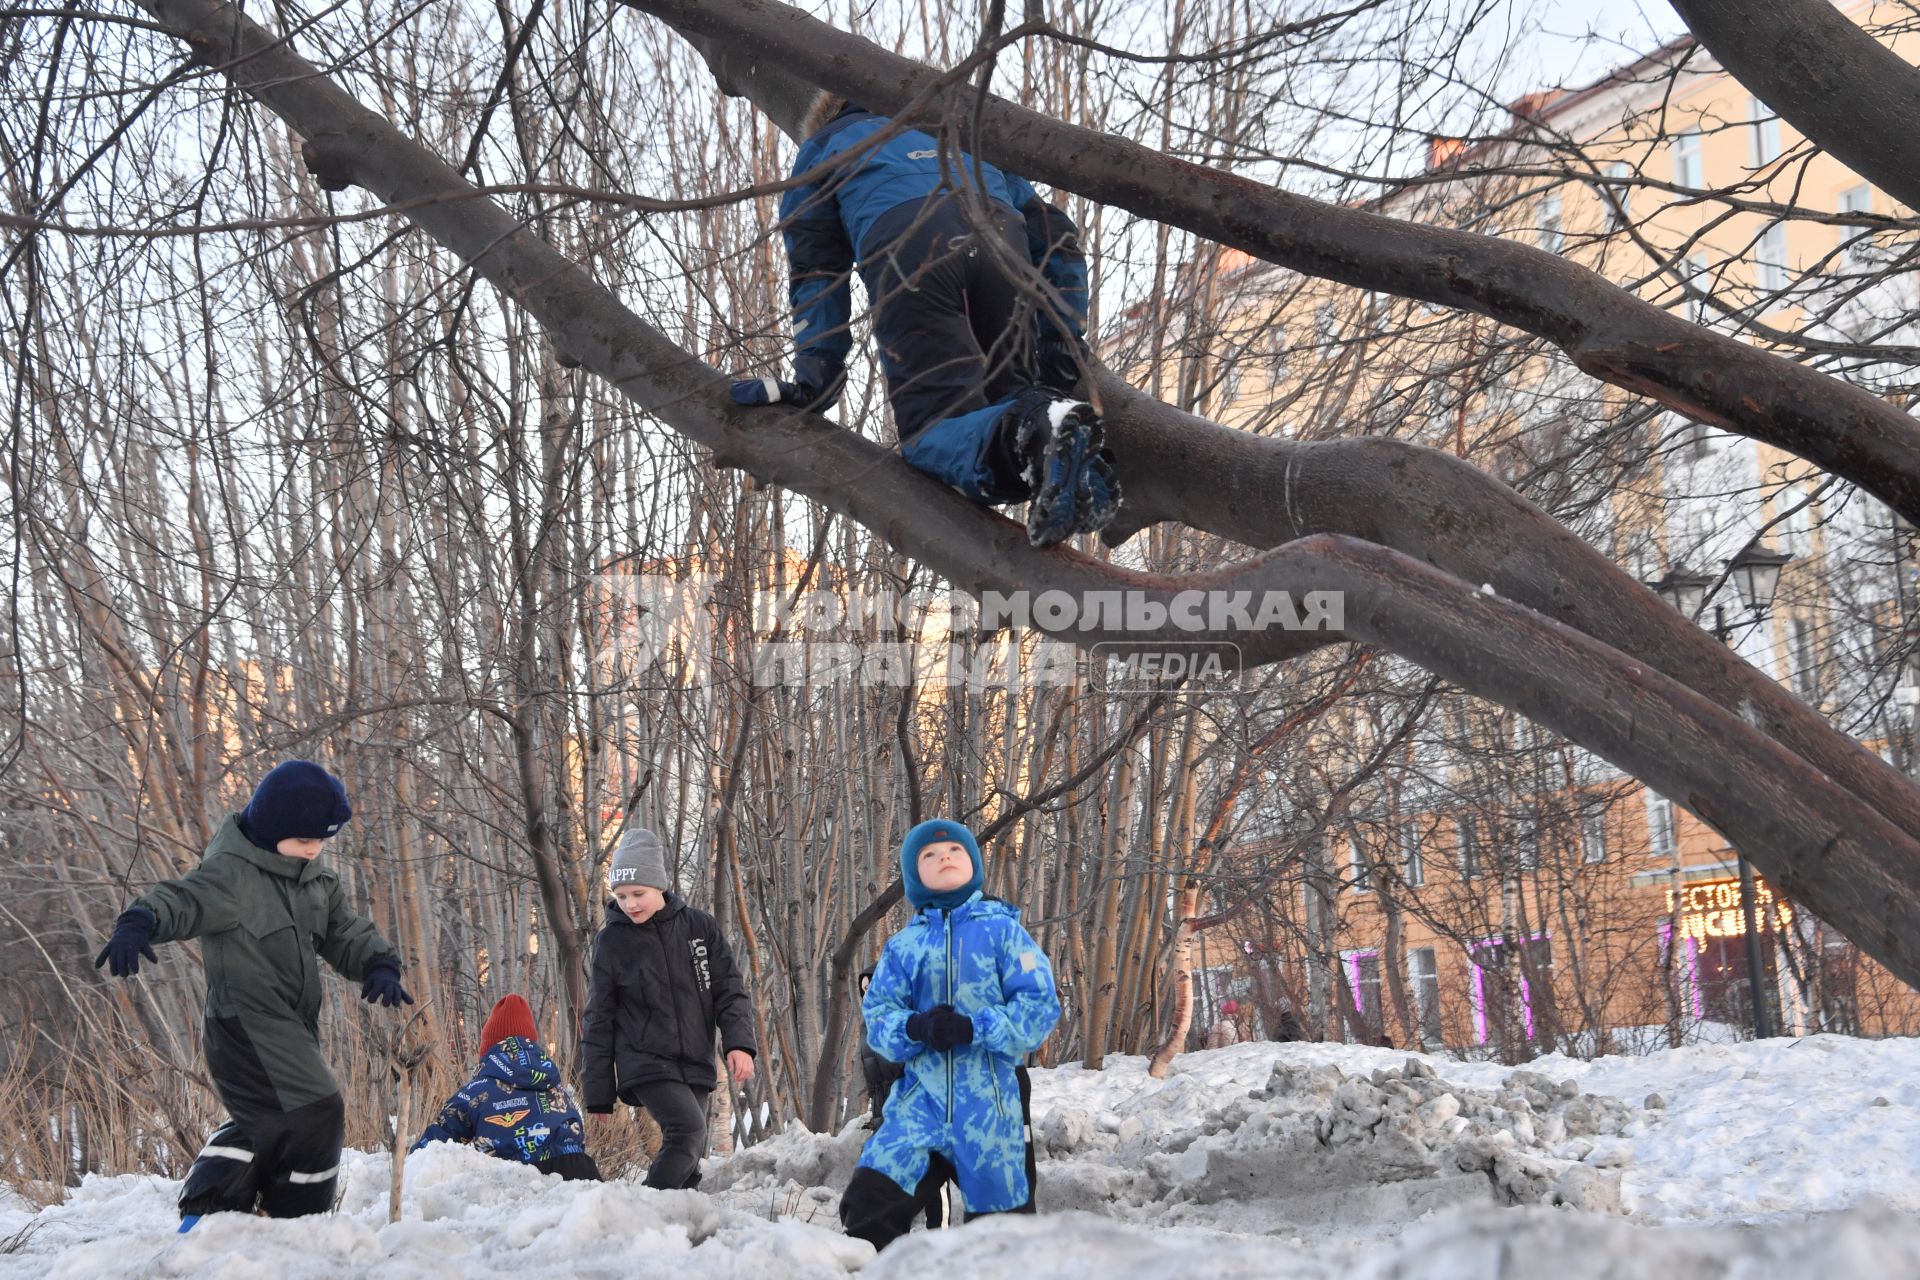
515 1107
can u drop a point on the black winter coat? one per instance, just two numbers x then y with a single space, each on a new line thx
659 992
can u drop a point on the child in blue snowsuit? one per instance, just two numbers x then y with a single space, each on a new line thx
960 996
516 1106
980 380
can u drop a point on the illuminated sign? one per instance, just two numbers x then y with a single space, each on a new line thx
1711 909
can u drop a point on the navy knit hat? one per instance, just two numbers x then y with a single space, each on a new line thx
932 833
297 800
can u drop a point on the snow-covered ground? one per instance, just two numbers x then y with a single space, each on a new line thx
1792 1157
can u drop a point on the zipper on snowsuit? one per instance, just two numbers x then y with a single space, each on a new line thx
949 919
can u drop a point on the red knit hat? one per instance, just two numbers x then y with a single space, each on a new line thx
1229 1007
511 1017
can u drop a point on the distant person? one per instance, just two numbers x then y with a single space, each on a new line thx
1224 1031
516 1106
264 906
664 983
1286 1025
960 996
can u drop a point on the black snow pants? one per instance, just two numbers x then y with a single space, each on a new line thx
681 1112
278 1155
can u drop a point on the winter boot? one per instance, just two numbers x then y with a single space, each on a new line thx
1099 498
1057 441
187 1222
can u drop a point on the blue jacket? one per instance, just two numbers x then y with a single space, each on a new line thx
515 1107
842 217
965 1102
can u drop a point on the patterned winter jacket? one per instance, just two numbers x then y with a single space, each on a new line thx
965 1102
515 1107
866 203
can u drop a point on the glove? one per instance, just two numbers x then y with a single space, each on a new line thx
759 391
128 945
816 385
1056 363
382 984
947 1029
918 1026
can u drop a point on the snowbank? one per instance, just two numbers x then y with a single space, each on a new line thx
1256 1160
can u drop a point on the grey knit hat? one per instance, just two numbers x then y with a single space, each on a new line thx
638 859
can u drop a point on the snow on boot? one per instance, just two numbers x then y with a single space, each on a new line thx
1099 499
1058 439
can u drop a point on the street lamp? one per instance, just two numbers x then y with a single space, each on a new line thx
1756 575
1685 590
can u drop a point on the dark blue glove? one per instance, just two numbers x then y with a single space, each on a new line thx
1056 363
129 943
947 1029
816 385
382 984
917 1026
758 391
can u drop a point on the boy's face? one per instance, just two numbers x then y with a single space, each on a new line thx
944 866
300 847
639 901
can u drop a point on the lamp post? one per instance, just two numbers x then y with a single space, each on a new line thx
1756 575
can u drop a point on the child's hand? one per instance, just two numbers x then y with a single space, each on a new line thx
947 1029
758 391
941 1029
129 944
382 984
740 1065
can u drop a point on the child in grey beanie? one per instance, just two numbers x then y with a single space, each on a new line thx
664 985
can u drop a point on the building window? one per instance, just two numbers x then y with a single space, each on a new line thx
1415 869
1230 369
1504 974
1764 146
1326 321
1362 873
1469 842
1770 258
1806 673
1527 837
1859 242
1424 974
1618 196
1363 973
1794 520
1686 159
1279 355
1720 969
1551 238
1593 835
1660 832
1699 286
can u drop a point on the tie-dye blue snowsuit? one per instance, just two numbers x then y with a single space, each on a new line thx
963 1103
